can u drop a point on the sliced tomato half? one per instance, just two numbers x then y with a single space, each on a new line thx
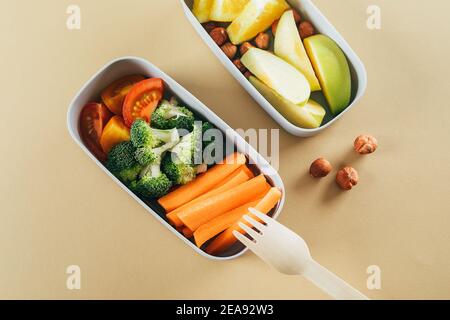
114 95
93 119
142 100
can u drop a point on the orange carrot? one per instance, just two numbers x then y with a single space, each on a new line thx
217 225
237 178
226 239
238 173
203 183
248 171
187 232
209 208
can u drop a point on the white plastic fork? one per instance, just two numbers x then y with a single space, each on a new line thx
288 253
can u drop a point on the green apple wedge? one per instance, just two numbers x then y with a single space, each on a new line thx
277 74
332 68
289 47
307 116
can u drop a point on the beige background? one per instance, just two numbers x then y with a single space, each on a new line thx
57 208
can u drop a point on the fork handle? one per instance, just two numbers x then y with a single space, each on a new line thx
330 283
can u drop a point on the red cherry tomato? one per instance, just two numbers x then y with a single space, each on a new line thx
93 119
142 100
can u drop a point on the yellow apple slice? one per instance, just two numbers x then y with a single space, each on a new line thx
308 116
289 46
226 10
257 16
202 10
277 74
332 69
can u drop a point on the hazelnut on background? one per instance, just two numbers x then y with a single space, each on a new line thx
306 29
320 168
365 144
219 35
347 178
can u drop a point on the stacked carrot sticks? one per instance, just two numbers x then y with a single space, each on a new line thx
215 202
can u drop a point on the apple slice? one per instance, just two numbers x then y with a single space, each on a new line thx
332 69
257 16
277 74
202 10
289 46
308 116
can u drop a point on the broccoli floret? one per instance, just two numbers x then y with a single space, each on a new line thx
122 163
169 116
142 135
153 183
151 143
190 145
146 181
209 144
207 126
177 171
179 164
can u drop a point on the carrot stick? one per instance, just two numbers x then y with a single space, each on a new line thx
217 225
236 179
207 209
238 173
202 183
187 232
248 171
226 239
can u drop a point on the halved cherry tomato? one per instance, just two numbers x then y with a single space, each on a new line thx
114 133
93 118
142 100
114 95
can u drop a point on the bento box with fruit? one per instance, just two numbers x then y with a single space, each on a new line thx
287 55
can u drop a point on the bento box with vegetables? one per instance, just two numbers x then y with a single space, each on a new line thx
162 151
302 73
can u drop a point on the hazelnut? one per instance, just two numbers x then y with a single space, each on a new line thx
219 35
262 41
209 26
306 29
245 47
297 17
347 178
238 63
275 26
229 49
365 144
320 168
248 74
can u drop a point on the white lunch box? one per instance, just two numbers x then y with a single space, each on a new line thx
323 26
90 92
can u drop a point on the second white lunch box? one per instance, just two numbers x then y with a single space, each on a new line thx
132 65
323 26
